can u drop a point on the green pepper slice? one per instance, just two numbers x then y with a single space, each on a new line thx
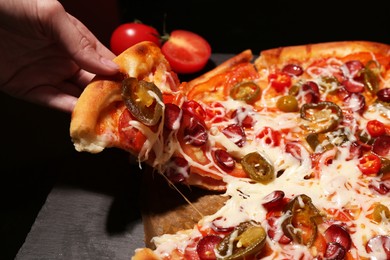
143 100
329 84
249 92
301 225
323 116
313 140
248 239
371 76
380 213
258 168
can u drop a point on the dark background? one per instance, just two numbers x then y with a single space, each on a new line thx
36 151
233 26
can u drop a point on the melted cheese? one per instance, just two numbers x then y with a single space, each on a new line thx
340 185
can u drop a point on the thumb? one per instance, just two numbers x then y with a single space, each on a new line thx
85 49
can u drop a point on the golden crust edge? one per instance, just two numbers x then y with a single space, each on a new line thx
242 57
137 61
316 50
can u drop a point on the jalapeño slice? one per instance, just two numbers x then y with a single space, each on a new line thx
247 238
322 117
371 74
258 168
301 224
143 100
248 92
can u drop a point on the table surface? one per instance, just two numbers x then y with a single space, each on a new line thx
100 220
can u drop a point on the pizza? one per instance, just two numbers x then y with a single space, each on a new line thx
296 140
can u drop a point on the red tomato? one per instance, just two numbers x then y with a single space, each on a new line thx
369 164
187 52
128 34
375 128
279 81
270 136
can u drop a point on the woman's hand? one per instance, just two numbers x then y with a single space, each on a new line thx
48 56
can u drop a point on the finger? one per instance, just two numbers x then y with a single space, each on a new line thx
82 78
71 88
82 45
100 48
51 97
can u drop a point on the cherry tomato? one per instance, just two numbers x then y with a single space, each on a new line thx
375 128
128 34
279 81
187 52
369 164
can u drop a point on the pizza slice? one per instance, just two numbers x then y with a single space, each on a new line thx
99 118
298 141
145 110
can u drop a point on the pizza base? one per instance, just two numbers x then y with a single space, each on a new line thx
318 50
159 224
98 98
103 93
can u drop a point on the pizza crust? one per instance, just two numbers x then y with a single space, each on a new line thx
98 95
143 61
282 55
243 57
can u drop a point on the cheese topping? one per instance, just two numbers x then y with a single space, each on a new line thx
335 184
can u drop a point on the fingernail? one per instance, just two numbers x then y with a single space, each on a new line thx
109 63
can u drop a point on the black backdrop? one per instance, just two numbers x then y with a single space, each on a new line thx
233 26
